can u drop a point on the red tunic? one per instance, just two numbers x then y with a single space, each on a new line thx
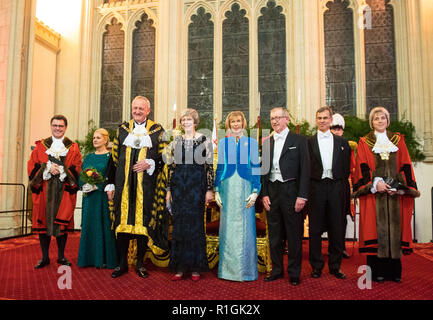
63 213
353 146
365 167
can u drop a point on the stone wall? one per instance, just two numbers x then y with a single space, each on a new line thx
5 13
5 10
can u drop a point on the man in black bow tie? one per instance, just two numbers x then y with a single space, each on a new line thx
285 183
330 167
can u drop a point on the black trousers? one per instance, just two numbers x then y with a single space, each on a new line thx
325 212
346 210
285 223
123 246
45 241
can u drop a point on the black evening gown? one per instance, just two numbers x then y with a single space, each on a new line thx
189 181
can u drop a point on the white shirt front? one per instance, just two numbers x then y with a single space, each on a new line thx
57 150
326 147
280 139
382 145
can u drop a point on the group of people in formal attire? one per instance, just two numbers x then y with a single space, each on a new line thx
292 175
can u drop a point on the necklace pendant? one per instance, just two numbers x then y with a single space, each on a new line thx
137 143
384 155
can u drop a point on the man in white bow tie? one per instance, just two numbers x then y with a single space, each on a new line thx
330 167
53 168
285 185
136 160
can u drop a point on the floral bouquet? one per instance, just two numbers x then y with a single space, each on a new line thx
91 176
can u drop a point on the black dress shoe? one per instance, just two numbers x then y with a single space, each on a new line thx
294 281
118 272
397 280
42 263
338 274
346 255
64 261
379 279
273 277
142 272
316 273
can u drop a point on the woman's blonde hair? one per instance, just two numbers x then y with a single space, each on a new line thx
234 114
189 112
103 132
375 110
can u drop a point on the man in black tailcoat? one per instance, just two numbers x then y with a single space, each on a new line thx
285 183
330 165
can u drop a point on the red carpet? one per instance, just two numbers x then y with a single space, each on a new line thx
18 280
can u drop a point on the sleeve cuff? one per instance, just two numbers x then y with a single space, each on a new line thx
375 182
151 162
109 187
47 175
62 173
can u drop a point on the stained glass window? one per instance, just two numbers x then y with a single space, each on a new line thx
143 61
200 66
272 58
112 76
340 58
235 62
380 59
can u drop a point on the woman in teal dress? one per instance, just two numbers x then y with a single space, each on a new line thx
97 245
237 185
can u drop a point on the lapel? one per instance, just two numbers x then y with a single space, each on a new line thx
336 151
149 124
316 150
271 146
287 143
47 142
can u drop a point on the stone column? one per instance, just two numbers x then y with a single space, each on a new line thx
17 28
426 13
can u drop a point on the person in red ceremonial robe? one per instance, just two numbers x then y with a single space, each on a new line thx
386 187
53 170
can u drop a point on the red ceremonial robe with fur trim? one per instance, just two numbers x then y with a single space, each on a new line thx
370 204
59 202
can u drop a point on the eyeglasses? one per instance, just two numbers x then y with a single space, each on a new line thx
58 125
277 118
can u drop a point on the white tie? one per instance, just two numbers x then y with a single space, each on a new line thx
278 136
324 135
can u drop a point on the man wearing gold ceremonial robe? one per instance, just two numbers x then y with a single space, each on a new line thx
132 173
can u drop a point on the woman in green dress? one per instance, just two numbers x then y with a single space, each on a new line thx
97 245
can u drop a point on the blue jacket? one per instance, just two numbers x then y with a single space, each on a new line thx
242 157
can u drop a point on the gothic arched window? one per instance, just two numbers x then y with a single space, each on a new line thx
112 75
200 66
272 58
340 72
380 59
236 61
143 61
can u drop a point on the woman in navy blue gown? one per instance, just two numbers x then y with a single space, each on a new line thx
190 182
